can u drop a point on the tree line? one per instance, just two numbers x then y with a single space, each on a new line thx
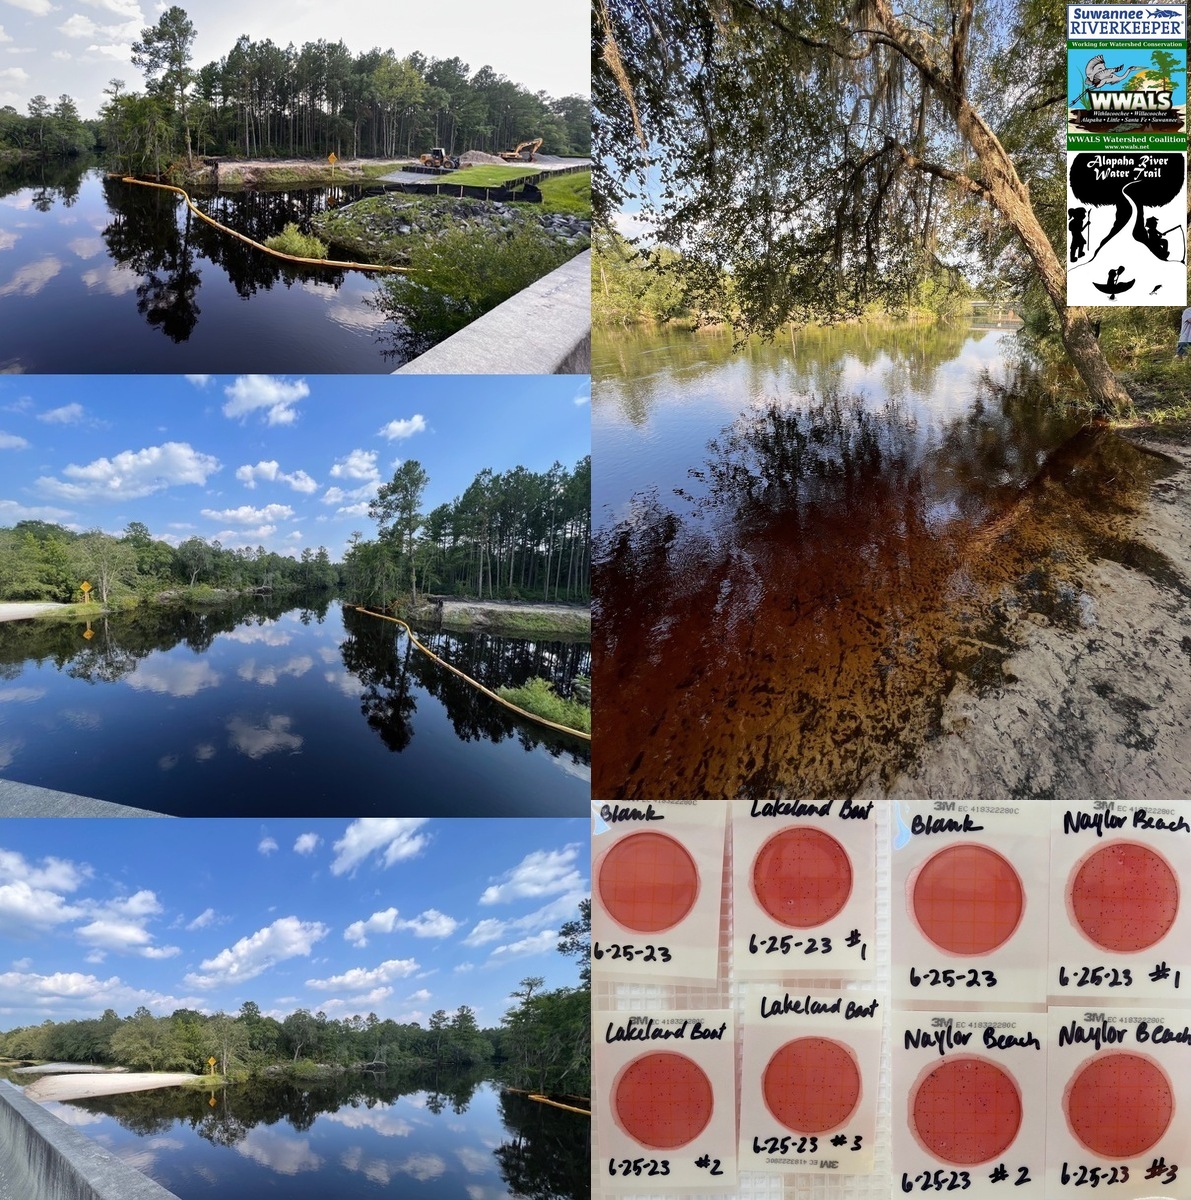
542 1042
513 535
261 99
40 560
318 99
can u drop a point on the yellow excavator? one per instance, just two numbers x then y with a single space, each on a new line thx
524 152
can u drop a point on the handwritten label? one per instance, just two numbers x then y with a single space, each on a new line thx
612 813
639 1166
630 953
646 1029
931 977
1081 822
809 1006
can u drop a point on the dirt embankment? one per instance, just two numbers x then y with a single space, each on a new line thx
266 172
1099 705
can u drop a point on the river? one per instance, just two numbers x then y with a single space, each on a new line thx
808 550
97 275
455 1137
277 707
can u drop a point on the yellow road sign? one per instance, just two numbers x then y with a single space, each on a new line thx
210 1062
332 159
84 586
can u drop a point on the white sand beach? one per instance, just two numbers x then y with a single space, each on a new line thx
80 1087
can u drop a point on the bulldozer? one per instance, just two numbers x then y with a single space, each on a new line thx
524 152
438 157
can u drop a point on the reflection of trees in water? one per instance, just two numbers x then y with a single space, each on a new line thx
50 180
547 1158
123 640
388 668
644 366
154 234
793 624
240 1107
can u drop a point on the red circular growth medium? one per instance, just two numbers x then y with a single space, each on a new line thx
802 877
812 1085
662 1100
648 882
967 899
1124 897
966 1111
1119 1105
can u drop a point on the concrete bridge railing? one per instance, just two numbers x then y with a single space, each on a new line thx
43 1159
543 330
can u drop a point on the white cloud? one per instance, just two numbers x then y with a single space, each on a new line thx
406 428
492 930
202 920
132 474
542 873
307 843
539 943
39 8
120 925
11 441
266 845
420 995
26 909
460 968
271 471
358 979
68 414
431 923
247 515
75 992
354 510
392 838
79 26
251 393
199 381
10 510
57 873
251 956
359 464
4 37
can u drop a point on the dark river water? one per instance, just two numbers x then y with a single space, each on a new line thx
803 548
457 1138
270 708
101 276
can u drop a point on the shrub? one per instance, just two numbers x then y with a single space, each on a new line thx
538 696
291 240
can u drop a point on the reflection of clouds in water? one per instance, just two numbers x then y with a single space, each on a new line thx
328 654
165 1143
23 203
8 240
421 1167
568 766
81 718
137 1158
86 247
173 677
115 279
18 695
358 317
70 1115
272 1149
268 676
167 762
478 1191
32 277
475 1162
8 750
204 751
347 683
258 740
269 635
384 1122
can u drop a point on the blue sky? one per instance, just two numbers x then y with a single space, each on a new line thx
76 46
284 462
397 916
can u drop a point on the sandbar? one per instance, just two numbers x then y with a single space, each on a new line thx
81 1087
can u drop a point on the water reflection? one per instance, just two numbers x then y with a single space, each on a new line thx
790 617
254 706
139 280
454 1134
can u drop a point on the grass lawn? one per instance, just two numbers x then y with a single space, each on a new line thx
488 174
567 193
